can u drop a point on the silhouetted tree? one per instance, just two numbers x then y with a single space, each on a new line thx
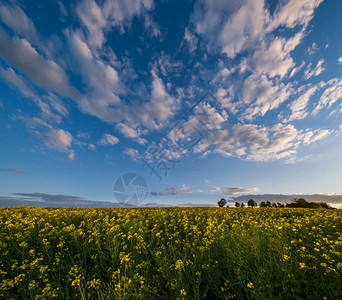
222 202
326 205
268 204
251 203
237 204
274 204
263 204
242 204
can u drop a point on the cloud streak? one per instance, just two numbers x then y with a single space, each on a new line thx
175 191
14 170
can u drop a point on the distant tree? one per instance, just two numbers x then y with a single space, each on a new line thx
242 204
280 204
251 203
263 204
237 204
268 204
222 202
274 204
326 205
298 202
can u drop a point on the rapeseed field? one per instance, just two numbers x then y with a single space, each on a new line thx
170 253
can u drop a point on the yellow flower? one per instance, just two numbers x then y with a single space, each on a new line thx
179 265
250 285
302 265
183 292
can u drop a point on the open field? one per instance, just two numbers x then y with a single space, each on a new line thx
170 253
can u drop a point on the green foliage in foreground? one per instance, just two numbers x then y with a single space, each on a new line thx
170 253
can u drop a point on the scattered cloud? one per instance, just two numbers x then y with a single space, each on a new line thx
20 54
100 18
131 132
132 153
50 106
315 71
260 142
340 60
312 49
92 147
294 13
262 95
174 191
247 28
299 106
330 95
54 138
108 139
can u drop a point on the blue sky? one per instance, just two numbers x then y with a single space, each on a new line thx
241 98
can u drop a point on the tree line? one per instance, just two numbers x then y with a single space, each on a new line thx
296 202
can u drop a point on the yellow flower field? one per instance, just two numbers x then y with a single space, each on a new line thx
170 253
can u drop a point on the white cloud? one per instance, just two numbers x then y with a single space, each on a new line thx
49 104
298 107
15 18
312 49
93 19
102 82
132 153
340 60
168 66
260 142
191 39
262 95
274 59
162 106
99 19
294 12
315 71
131 132
60 140
331 94
92 147
54 138
108 139
248 28
311 136
45 73
243 28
